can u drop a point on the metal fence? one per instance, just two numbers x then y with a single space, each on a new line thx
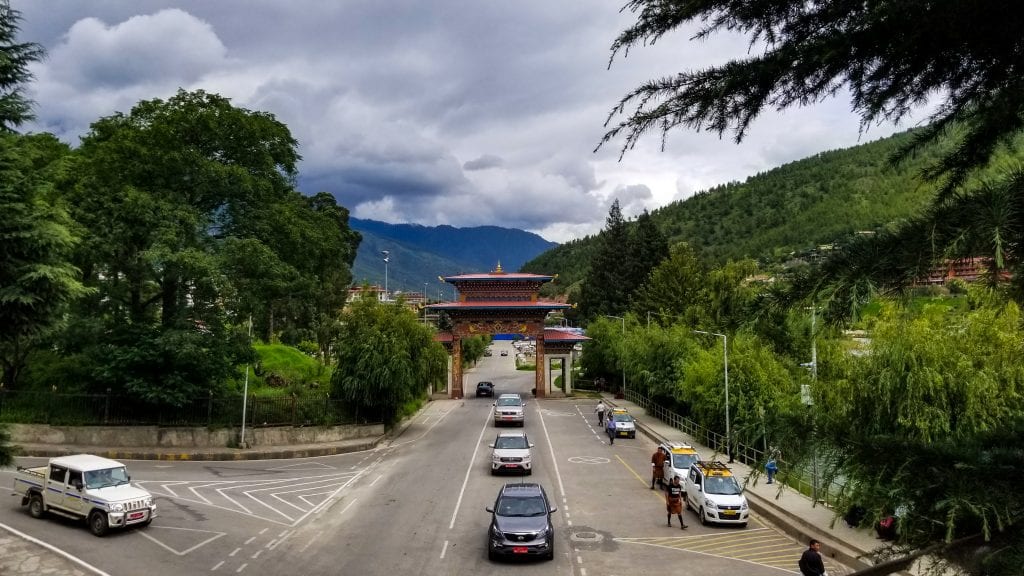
804 481
29 407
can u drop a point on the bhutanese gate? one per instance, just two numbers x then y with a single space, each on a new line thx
501 303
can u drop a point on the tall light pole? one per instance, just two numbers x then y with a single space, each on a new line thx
245 391
387 258
622 359
808 399
725 362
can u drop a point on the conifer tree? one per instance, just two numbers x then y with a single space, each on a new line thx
604 289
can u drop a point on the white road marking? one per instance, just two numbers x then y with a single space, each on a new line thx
247 542
55 550
304 466
440 418
242 567
217 565
257 554
472 462
235 551
310 542
376 479
264 531
345 509
554 460
444 549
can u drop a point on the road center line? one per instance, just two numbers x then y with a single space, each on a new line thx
551 450
472 461
444 549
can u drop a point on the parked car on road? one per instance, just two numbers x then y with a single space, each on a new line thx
511 452
713 492
680 457
504 352
484 388
619 424
509 409
521 523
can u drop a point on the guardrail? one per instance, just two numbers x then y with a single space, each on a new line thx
799 479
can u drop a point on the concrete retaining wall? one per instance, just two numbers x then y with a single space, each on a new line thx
157 437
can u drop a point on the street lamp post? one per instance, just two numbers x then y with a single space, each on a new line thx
387 258
622 359
725 361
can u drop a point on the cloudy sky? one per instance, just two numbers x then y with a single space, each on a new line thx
466 113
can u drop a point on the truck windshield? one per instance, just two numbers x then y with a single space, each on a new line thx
106 477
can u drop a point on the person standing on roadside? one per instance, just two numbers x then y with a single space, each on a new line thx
810 561
674 502
600 409
771 468
658 468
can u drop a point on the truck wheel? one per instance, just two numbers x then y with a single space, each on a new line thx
98 523
36 508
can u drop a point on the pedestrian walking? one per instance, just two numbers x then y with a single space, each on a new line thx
674 502
600 409
658 468
810 561
771 468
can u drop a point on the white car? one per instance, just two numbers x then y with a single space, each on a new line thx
509 409
680 457
715 495
511 451
620 424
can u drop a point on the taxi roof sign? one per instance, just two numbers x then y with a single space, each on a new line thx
714 468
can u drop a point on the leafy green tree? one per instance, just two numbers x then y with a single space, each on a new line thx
385 358
891 57
37 280
675 290
930 422
604 289
191 224
15 59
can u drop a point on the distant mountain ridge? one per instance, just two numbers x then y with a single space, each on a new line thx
419 254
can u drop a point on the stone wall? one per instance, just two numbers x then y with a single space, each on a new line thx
160 437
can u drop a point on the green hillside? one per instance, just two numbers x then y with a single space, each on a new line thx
794 208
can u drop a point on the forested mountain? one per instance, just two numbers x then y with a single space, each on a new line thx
792 209
418 254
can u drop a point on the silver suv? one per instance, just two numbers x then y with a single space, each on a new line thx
511 451
509 409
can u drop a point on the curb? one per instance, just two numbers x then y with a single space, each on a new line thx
204 456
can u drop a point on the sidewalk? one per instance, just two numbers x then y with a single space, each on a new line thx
788 510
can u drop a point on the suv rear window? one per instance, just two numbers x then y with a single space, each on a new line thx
509 402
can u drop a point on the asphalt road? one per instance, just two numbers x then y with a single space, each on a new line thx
416 506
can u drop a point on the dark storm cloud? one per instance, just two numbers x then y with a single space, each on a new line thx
409 111
484 162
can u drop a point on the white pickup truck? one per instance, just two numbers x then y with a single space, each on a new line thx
87 487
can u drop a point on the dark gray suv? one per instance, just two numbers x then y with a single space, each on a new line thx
521 523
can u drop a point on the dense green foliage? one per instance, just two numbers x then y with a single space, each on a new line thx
386 357
36 280
189 226
15 59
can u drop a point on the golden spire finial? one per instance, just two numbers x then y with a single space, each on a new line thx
498 269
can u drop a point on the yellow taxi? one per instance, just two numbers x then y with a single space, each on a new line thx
714 494
680 457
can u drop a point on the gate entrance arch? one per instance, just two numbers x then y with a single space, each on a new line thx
501 303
